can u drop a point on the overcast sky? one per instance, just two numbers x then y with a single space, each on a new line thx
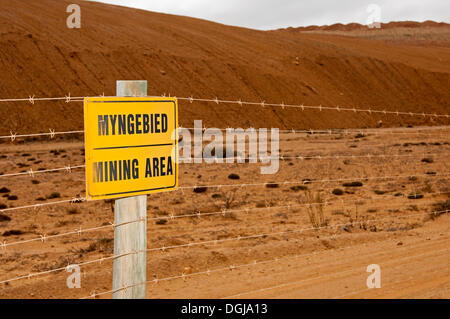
272 14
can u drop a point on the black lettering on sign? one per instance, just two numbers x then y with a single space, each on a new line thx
113 119
158 166
146 123
130 124
126 170
151 123
135 169
164 123
162 166
105 168
148 168
123 124
113 171
103 125
157 130
169 166
155 167
98 172
138 124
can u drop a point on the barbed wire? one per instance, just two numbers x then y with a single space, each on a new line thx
52 133
209 242
303 107
182 188
264 235
194 160
65 201
209 272
44 238
32 99
309 181
32 173
306 157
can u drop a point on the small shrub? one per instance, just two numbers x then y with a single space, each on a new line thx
427 160
200 189
415 196
54 195
104 245
233 176
4 218
297 188
315 210
13 232
35 182
378 192
13 197
338 192
272 185
4 190
353 184
73 211
161 222
440 208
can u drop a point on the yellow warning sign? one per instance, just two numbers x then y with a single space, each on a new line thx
131 146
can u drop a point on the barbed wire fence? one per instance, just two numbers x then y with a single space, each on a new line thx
46 236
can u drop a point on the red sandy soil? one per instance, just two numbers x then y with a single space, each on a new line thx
183 56
377 223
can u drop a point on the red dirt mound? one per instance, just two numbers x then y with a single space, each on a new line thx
183 56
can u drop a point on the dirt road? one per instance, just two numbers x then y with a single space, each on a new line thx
412 266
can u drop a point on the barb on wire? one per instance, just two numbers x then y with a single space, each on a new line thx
73 200
313 107
30 172
52 133
32 99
